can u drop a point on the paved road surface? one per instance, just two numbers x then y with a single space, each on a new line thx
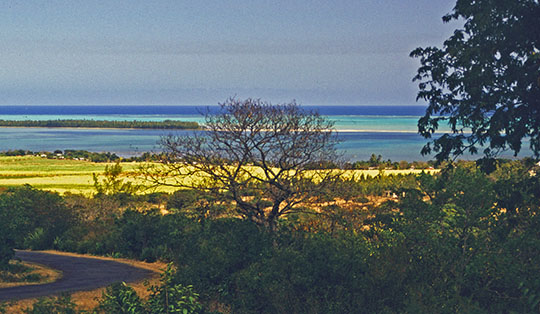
79 273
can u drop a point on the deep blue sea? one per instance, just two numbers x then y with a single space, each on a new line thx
389 131
196 110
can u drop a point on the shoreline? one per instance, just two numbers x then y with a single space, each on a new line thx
92 123
198 129
92 128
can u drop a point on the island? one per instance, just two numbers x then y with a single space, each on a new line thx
134 124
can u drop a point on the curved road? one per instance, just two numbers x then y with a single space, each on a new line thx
79 273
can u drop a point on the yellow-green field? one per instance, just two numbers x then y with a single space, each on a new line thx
75 176
59 175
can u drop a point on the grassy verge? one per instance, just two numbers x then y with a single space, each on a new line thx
24 273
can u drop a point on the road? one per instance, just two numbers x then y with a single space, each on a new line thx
78 274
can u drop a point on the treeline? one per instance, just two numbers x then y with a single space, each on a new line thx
66 154
166 124
460 241
86 155
376 162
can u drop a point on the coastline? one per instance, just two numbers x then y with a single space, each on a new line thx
199 129
103 124
92 128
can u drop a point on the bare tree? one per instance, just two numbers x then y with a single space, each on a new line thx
256 155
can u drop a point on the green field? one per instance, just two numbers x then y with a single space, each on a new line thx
75 176
59 175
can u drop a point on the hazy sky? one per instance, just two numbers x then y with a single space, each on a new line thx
202 52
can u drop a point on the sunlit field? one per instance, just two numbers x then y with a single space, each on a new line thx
75 176
58 175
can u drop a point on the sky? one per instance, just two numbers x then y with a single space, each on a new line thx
203 52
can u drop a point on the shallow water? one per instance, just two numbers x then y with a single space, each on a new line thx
387 131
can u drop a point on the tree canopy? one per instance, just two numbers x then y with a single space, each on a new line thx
485 80
254 154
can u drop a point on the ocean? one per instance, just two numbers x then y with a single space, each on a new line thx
389 131
196 110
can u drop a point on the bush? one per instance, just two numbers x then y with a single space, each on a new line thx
171 297
181 199
313 274
35 211
37 240
209 254
462 242
7 246
167 297
53 305
27 213
120 298
147 235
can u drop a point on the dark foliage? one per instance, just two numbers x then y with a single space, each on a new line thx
306 274
166 124
458 241
459 247
120 298
30 218
54 305
68 154
485 80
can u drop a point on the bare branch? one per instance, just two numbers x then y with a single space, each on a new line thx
255 154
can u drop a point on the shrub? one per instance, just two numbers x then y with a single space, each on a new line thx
25 210
209 254
171 297
30 209
37 240
147 235
313 274
54 305
181 199
120 298
167 297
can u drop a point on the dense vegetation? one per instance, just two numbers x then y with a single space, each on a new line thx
115 124
67 154
377 162
458 241
374 162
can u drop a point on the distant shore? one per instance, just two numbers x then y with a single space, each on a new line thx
103 124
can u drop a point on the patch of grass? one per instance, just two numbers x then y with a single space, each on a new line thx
22 273
15 268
